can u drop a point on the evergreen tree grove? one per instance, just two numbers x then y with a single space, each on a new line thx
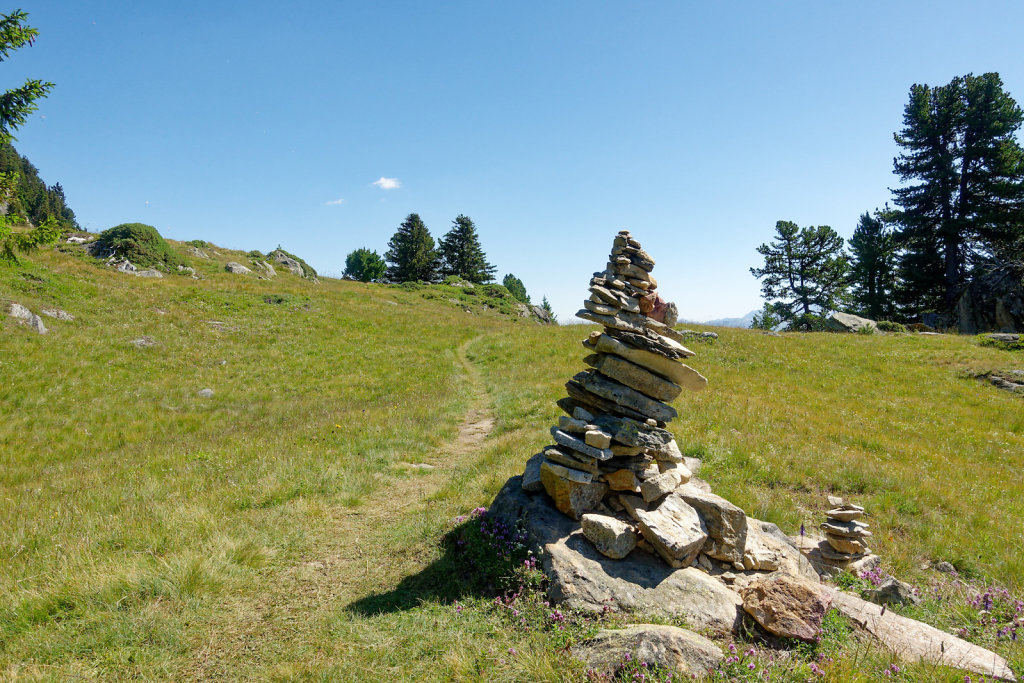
963 198
461 254
411 254
516 288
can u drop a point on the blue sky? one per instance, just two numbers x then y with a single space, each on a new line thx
552 125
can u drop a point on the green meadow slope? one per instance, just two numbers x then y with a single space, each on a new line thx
278 530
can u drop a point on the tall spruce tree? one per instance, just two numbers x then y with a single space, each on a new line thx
963 199
516 288
411 254
461 254
873 267
805 273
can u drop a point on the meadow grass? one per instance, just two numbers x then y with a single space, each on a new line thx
272 532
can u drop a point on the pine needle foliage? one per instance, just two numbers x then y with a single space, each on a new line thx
462 255
411 255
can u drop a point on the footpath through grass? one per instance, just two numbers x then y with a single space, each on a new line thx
273 532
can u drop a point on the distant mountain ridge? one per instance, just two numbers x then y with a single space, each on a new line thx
729 322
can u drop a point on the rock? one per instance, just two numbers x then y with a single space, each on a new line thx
994 301
579 445
785 605
571 459
205 393
768 549
653 342
267 269
144 342
598 404
846 322
622 320
634 376
572 425
189 270
598 439
531 477
913 641
945 568
197 252
623 480
542 315
826 562
57 313
612 537
660 485
581 577
19 312
674 528
726 524
573 492
842 544
291 264
669 648
150 273
599 308
237 268
846 529
75 239
892 591
623 396
845 514
668 368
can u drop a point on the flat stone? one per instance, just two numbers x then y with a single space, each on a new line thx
628 322
579 445
579 395
726 524
599 308
619 449
567 458
612 537
531 476
674 528
844 514
788 606
616 299
660 485
571 425
573 492
845 544
636 433
830 553
652 342
623 396
668 368
669 648
580 577
913 641
847 529
634 376
623 480
583 415
846 322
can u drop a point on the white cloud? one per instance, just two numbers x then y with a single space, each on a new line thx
335 202
387 183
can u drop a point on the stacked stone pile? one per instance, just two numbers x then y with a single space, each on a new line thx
613 465
845 534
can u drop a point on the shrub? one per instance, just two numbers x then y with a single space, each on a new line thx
198 244
890 326
141 244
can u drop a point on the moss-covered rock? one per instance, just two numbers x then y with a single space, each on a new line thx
139 243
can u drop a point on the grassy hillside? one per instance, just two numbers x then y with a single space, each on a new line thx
277 530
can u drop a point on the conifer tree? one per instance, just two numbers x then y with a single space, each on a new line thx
805 273
546 305
411 254
461 254
17 104
516 288
364 265
966 201
872 267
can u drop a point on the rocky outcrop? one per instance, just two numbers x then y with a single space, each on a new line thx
847 322
19 312
237 268
992 302
667 647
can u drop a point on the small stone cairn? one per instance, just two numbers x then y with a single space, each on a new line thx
845 536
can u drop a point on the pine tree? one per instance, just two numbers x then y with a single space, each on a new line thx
17 104
967 203
411 254
461 254
872 267
364 265
546 305
516 288
805 273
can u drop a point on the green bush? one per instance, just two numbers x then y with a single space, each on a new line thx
890 326
199 244
141 244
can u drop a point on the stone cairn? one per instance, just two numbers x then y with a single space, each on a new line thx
614 466
844 534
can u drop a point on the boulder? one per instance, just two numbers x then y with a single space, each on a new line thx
913 641
847 322
726 524
660 485
150 273
670 648
768 549
197 252
581 577
992 302
785 605
612 537
237 268
531 477
19 312
892 591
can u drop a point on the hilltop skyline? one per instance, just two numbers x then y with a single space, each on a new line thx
551 127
